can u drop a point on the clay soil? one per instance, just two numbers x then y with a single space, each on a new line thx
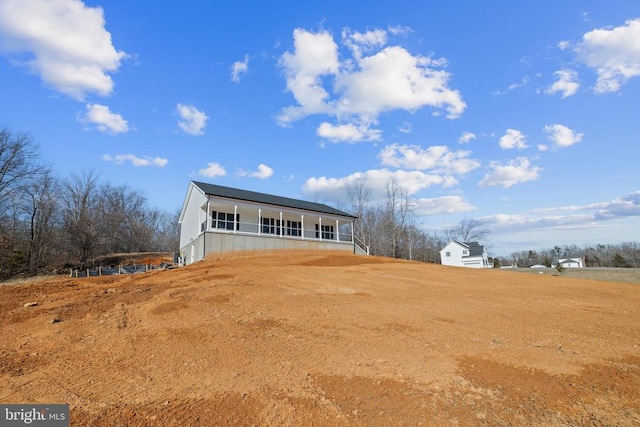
326 339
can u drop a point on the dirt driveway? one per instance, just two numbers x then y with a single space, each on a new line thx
326 339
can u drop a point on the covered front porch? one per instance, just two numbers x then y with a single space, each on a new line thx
230 217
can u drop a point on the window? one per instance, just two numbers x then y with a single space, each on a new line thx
327 232
447 254
270 226
224 221
294 228
465 252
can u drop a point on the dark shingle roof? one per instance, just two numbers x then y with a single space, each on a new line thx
252 196
475 249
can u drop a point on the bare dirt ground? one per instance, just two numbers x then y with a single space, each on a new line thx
326 339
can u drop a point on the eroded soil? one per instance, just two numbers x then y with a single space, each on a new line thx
326 339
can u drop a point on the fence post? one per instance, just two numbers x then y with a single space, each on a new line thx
87 272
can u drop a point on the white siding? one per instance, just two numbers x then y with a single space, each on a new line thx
457 255
192 216
452 255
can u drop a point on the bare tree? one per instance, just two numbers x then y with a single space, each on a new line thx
82 213
40 208
128 224
358 195
19 163
167 237
467 230
396 214
631 251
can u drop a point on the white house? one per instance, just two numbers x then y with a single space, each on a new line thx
471 255
572 262
222 219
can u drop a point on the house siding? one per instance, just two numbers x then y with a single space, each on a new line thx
190 225
459 258
212 242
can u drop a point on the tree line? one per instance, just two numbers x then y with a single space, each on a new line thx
623 255
47 221
389 228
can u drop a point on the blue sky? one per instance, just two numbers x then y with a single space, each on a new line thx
521 114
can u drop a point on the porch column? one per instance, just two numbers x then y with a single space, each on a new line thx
235 220
259 221
302 226
281 224
208 216
353 237
337 231
320 227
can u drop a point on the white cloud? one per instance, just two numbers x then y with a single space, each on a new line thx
588 224
562 136
376 180
614 53
263 172
513 139
314 55
563 45
363 42
192 120
393 79
212 170
365 85
621 207
513 86
400 30
104 119
466 137
438 158
567 83
62 41
238 68
507 175
135 160
523 82
441 205
350 132
405 127
569 217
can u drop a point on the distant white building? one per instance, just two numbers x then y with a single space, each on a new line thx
471 255
572 262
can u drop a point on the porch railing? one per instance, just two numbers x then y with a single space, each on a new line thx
340 235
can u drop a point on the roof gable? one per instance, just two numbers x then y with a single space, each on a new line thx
475 249
269 199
